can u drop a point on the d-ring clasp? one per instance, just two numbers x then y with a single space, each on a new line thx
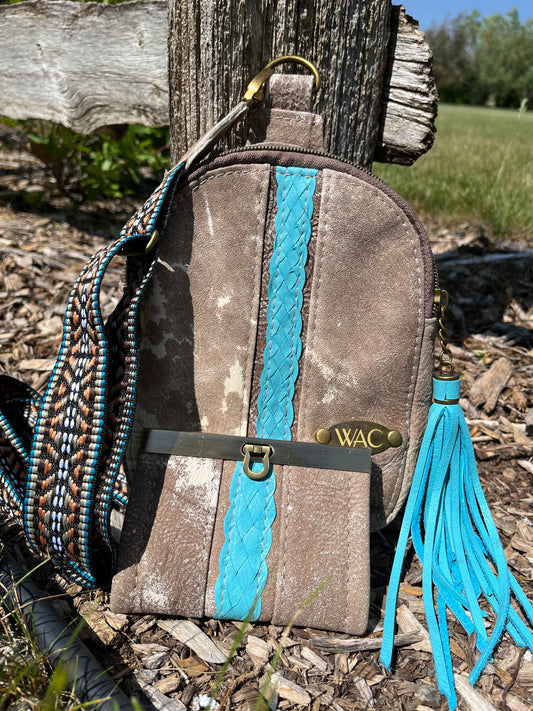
255 91
264 451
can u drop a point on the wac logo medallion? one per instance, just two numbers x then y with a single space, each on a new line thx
369 435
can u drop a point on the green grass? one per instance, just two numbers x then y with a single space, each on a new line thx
480 170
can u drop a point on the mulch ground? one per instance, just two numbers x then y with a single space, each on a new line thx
491 330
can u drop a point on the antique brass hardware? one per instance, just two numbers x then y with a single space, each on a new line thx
256 452
152 242
154 237
446 365
255 92
323 436
361 433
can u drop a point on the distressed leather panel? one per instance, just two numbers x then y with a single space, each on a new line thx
199 325
366 324
314 506
169 524
290 92
323 550
287 128
285 117
199 319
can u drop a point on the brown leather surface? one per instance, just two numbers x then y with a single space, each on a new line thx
290 92
366 325
367 354
199 318
168 529
323 551
285 117
320 545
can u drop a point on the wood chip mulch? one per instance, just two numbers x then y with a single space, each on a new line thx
491 332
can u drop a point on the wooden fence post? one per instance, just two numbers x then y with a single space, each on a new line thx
86 65
217 46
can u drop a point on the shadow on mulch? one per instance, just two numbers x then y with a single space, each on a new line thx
491 292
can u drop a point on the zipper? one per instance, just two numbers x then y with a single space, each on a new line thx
296 149
436 302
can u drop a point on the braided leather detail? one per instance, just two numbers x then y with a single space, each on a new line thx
247 525
285 298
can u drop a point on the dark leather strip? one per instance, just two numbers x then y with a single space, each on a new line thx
216 446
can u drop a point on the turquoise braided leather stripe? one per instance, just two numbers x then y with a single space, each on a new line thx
247 525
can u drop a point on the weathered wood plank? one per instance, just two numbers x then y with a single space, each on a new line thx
409 100
86 65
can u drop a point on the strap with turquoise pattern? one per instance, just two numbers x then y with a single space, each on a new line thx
247 525
60 454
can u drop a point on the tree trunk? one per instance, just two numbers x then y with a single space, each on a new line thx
216 47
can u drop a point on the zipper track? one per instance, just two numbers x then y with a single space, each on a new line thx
296 149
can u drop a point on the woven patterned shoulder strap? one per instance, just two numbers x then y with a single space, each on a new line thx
60 454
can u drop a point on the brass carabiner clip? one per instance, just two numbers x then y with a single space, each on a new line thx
255 92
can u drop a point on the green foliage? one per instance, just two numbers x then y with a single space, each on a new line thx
480 170
483 60
100 164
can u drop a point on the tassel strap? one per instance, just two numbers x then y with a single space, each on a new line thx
454 536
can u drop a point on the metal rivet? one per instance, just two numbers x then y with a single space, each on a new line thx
394 438
323 436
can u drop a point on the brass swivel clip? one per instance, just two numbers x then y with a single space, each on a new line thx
446 364
255 92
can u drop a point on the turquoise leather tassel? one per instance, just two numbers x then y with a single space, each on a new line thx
464 570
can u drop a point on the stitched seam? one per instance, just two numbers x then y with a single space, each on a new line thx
207 540
253 330
274 300
145 539
313 121
420 326
295 314
288 470
317 274
229 542
263 536
350 558
267 380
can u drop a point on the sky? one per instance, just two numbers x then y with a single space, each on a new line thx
427 12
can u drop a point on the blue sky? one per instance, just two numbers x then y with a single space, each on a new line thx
425 12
